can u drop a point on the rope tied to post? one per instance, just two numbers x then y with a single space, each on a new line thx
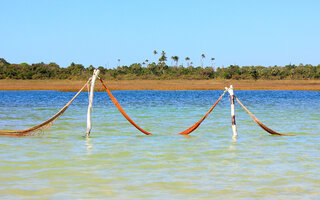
197 124
185 132
263 126
46 124
31 131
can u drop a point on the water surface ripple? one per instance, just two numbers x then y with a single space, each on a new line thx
119 162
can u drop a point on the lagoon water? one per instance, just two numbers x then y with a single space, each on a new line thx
119 162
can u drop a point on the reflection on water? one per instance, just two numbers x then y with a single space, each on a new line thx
233 144
89 145
119 162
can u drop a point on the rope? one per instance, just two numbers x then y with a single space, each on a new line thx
116 103
264 127
46 124
195 126
186 132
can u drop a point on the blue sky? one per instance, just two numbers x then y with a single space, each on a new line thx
98 32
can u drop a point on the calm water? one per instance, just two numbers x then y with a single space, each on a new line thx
119 162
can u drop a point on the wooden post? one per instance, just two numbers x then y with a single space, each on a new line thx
93 81
233 117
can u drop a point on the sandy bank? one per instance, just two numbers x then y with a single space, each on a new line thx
69 85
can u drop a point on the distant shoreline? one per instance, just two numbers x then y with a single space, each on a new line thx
213 84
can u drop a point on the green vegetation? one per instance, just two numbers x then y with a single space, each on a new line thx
157 71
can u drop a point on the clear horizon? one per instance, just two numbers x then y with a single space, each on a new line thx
99 33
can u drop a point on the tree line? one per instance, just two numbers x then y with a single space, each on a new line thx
158 71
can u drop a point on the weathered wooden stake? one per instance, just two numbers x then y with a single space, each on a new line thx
233 117
93 81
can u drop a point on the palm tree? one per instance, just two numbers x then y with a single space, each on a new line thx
187 59
176 59
202 57
155 53
212 59
163 57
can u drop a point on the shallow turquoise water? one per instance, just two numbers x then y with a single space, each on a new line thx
119 162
